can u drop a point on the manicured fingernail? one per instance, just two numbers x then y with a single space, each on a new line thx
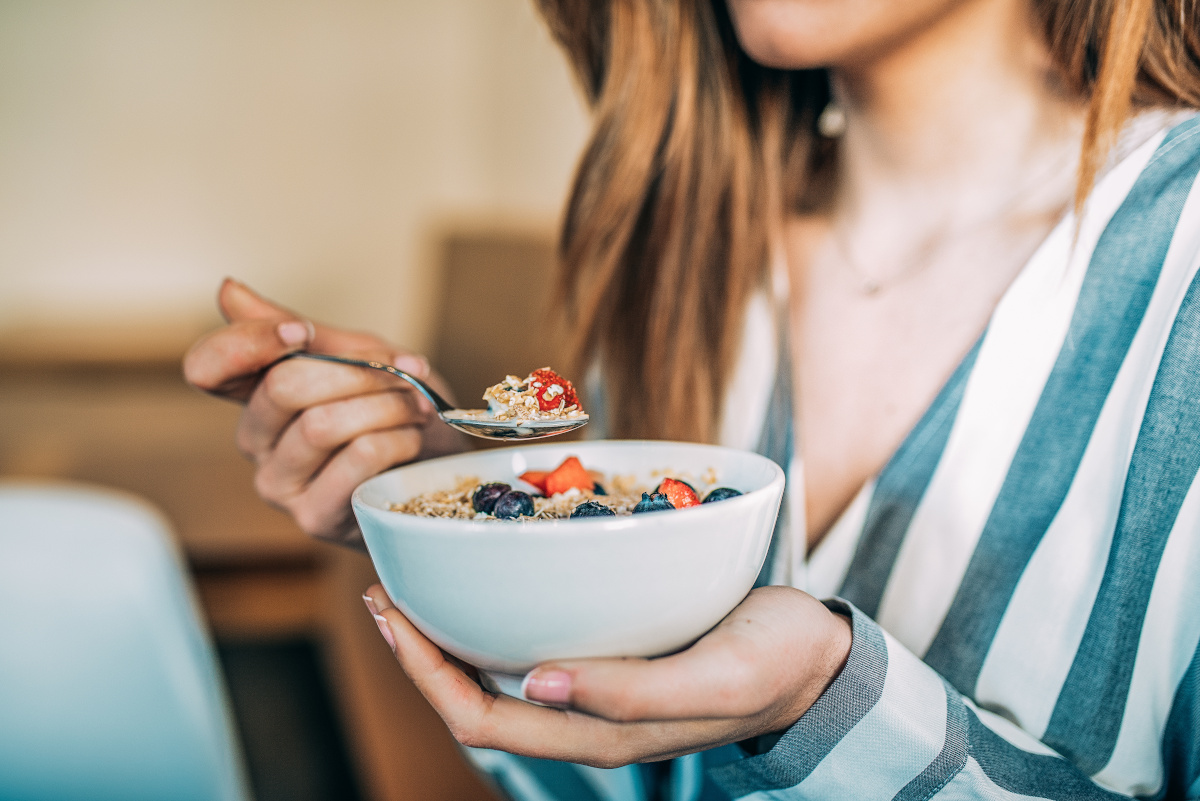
386 631
547 686
412 363
370 602
294 333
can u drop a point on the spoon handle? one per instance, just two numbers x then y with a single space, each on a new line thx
437 400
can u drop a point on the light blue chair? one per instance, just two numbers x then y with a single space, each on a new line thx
109 688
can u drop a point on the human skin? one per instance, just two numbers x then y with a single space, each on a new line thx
947 103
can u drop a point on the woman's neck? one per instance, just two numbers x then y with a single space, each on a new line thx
962 112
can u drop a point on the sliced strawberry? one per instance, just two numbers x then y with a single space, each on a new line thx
552 390
680 493
568 474
537 478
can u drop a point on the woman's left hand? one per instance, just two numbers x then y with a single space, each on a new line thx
757 672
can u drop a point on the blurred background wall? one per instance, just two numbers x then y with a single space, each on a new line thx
308 148
366 162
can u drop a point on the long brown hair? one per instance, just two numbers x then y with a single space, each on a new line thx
697 152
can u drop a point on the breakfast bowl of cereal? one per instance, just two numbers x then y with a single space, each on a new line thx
511 557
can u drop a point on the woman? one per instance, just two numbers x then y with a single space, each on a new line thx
976 226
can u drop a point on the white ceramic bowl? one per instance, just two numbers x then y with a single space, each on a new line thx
505 596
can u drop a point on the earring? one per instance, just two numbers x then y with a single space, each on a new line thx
832 122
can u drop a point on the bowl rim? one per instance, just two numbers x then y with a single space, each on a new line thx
611 525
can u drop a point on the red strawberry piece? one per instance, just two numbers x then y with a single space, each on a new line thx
552 390
537 478
567 475
679 493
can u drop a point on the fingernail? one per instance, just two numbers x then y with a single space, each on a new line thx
294 333
386 631
370 602
412 363
547 686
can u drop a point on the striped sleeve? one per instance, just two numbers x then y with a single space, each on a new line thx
890 727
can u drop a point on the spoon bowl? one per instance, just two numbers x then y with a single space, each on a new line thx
491 428
475 422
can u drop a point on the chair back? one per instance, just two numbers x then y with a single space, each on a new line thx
109 686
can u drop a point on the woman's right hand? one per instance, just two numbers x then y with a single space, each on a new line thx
314 430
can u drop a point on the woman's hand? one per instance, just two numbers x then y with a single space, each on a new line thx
314 430
757 672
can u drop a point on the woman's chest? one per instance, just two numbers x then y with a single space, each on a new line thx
867 364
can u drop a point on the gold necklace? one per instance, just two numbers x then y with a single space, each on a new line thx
870 285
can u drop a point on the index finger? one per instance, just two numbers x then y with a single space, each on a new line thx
240 303
230 360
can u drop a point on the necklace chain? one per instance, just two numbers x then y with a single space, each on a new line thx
921 256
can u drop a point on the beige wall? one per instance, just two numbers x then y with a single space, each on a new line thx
308 147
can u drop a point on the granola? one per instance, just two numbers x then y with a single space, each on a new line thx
569 490
456 503
541 395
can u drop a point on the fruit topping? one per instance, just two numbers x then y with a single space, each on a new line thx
484 499
598 488
537 478
656 502
592 509
720 494
567 475
542 395
552 390
513 504
680 493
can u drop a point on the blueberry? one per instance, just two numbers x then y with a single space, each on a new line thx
484 499
720 494
513 504
592 509
653 503
598 489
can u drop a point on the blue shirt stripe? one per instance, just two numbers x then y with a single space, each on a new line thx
777 443
1181 738
1038 775
560 779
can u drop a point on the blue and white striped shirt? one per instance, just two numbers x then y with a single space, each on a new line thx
1024 574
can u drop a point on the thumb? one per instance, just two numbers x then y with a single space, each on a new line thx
238 302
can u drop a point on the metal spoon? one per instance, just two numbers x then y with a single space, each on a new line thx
476 422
